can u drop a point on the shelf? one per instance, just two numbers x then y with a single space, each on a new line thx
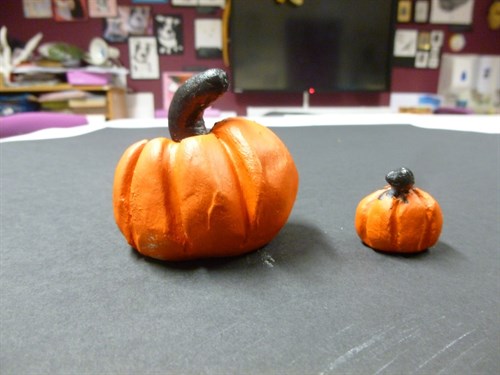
115 96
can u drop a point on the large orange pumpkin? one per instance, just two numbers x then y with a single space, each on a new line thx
213 193
399 218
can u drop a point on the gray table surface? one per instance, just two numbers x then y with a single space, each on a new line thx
76 299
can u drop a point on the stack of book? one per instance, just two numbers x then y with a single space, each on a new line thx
74 101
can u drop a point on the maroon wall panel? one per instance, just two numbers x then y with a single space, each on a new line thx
480 39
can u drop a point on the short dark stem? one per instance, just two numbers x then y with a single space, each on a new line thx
185 115
401 181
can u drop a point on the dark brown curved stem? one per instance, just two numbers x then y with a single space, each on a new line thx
185 115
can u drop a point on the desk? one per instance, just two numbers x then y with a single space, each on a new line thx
76 299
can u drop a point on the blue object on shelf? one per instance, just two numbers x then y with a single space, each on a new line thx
10 104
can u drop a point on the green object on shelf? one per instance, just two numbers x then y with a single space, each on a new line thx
65 53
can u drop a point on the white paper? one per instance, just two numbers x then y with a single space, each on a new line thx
144 61
452 12
405 43
185 3
208 33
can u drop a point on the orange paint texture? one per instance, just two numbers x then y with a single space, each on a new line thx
409 223
219 194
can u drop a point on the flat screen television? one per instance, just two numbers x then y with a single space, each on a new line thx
325 45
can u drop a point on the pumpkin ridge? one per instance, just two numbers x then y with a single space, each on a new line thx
399 218
394 223
244 205
242 164
172 210
429 209
361 217
122 189
136 199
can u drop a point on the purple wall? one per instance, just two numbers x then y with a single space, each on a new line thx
480 39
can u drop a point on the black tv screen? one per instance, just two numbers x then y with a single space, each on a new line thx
326 45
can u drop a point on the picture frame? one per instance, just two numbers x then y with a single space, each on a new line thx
421 14
437 39
208 38
434 58
130 21
185 3
143 56
212 3
114 30
424 41
171 81
404 11
169 34
405 42
149 1
137 19
69 10
37 8
459 12
421 59
102 8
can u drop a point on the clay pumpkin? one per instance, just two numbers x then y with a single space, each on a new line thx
204 193
399 218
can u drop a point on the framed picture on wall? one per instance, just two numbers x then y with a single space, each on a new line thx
424 41
212 3
115 30
405 43
137 20
208 38
437 39
102 8
404 11
421 59
69 10
169 34
149 1
185 3
37 8
421 11
171 81
457 12
144 61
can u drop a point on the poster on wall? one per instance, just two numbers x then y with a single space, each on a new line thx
168 31
137 20
134 20
114 30
171 81
185 3
211 3
421 11
37 8
405 43
144 61
452 12
149 1
208 38
69 10
404 11
102 8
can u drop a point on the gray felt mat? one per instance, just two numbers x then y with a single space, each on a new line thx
75 299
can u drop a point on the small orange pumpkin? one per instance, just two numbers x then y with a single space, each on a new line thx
399 218
204 193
